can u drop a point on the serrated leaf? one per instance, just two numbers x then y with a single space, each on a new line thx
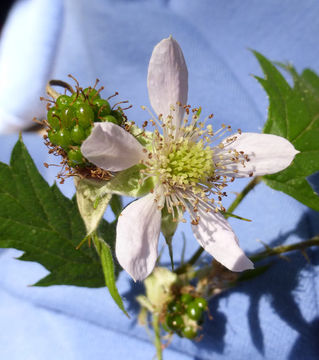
45 225
294 114
105 253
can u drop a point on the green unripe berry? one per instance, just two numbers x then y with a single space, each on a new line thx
189 332
77 98
53 137
75 156
102 107
110 118
63 138
194 312
201 303
88 131
77 134
175 307
84 114
118 115
67 117
53 117
186 299
91 93
77 102
63 101
174 322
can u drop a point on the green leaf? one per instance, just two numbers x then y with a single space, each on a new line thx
294 114
105 253
45 225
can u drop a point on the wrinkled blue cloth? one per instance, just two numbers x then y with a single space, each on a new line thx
275 316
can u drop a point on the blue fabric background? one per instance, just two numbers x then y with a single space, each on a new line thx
273 317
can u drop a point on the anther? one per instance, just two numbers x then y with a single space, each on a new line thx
96 82
45 99
110 97
98 91
118 103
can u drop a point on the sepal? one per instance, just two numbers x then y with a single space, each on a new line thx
128 183
158 288
92 198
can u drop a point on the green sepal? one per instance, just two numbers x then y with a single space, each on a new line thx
116 204
168 228
92 199
158 288
128 182
142 136
251 274
145 303
229 214
106 257
142 317
168 225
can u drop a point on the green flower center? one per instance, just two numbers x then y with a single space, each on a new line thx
186 163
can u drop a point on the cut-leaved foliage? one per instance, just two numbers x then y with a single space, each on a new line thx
294 114
47 227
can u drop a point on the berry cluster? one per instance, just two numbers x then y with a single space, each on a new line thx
71 121
185 315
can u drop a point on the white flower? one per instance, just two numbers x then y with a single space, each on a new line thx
186 169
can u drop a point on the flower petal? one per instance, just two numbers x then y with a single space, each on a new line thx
267 154
217 237
167 79
112 148
137 234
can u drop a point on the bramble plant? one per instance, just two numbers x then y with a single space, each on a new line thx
179 164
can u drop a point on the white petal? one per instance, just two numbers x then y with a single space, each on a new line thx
217 237
137 233
112 148
167 79
267 154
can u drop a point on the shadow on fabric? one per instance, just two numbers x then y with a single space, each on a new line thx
280 289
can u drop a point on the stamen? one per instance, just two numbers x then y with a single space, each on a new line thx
187 171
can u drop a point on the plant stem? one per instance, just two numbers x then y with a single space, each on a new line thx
255 181
285 248
157 340
54 94
239 198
